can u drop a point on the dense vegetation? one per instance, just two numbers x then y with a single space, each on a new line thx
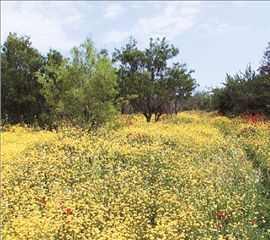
89 88
21 98
246 93
48 89
190 176
146 80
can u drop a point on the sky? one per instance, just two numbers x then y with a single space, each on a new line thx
213 37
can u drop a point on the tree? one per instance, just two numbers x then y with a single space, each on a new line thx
146 80
91 86
235 97
54 79
246 92
21 96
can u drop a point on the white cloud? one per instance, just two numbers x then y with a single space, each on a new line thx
215 28
113 11
171 20
48 24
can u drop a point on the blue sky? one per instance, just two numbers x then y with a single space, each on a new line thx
214 38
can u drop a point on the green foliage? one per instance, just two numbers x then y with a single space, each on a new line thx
90 98
54 81
87 89
244 93
82 89
21 92
146 75
42 91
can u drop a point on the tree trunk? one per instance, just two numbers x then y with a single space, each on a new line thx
157 116
148 117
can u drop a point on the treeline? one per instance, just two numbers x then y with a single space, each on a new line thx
44 90
89 87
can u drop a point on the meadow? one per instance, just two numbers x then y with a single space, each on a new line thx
194 175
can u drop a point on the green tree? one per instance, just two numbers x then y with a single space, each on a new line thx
92 88
146 80
20 90
235 97
54 79
246 92
81 89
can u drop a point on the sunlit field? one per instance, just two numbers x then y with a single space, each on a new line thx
191 176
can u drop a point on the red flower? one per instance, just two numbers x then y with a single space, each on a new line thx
219 226
219 214
68 211
43 201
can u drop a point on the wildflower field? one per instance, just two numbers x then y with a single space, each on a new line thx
190 176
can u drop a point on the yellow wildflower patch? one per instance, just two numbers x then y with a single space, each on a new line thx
188 176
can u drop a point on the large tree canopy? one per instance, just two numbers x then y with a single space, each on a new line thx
20 90
93 85
82 88
146 79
